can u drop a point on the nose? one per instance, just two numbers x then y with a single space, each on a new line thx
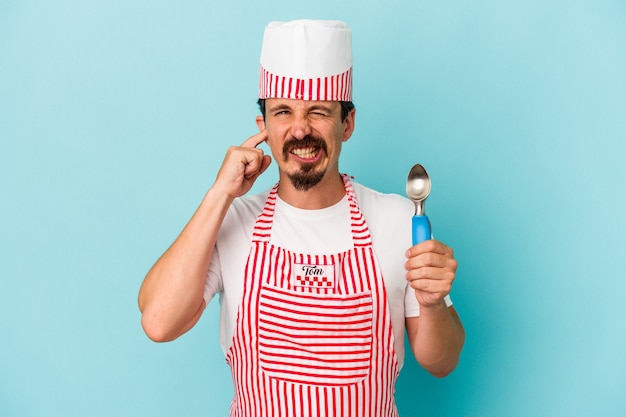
300 127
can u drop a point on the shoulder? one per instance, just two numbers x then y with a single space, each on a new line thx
388 217
374 202
249 205
242 214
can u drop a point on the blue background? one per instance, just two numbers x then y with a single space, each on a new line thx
115 116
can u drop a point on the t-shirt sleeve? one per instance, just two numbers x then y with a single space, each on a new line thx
411 306
213 283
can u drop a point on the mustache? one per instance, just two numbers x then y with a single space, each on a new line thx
308 141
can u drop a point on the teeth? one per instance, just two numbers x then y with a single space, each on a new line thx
306 153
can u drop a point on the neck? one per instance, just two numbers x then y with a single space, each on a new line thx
325 194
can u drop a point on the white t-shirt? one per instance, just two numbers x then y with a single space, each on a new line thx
325 231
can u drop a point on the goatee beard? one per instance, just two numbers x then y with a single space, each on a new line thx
304 180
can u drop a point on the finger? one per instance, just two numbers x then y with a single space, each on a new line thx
432 286
431 273
430 259
429 246
252 164
267 160
257 166
255 140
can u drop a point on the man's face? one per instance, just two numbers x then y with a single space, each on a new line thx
305 138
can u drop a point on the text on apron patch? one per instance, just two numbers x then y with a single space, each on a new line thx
313 276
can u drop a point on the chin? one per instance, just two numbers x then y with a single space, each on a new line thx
305 180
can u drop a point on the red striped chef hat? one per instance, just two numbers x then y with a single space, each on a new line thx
307 60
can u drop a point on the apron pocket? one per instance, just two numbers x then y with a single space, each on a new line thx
315 339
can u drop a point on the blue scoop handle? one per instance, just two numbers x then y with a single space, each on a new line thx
421 229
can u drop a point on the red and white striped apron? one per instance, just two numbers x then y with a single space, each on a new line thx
313 334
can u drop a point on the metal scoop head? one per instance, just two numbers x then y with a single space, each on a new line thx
418 187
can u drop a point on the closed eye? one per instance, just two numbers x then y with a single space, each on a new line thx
319 113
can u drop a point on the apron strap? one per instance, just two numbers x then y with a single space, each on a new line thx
263 225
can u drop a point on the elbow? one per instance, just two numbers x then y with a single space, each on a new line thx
161 327
444 363
442 366
440 369
442 372
155 330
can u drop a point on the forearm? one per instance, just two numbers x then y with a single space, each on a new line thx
437 337
171 296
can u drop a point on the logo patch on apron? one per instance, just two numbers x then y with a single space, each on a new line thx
313 276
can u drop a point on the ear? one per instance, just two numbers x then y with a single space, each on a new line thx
348 125
260 122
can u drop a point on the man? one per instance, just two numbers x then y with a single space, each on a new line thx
316 278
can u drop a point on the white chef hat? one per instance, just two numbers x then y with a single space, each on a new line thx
307 60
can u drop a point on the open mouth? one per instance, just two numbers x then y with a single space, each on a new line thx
308 149
306 153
